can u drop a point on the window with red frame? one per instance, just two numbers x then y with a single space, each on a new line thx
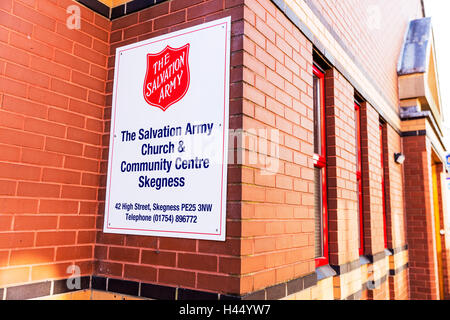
320 177
383 190
359 179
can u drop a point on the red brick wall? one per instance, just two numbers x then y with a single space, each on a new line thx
55 106
380 293
372 173
277 206
197 264
51 123
398 286
419 218
373 31
341 169
270 217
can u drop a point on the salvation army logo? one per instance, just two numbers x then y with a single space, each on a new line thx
167 78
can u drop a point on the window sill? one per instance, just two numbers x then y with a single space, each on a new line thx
363 260
324 272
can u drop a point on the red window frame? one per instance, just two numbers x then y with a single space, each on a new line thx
359 178
320 162
383 190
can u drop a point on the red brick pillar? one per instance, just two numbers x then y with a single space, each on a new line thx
419 217
200 265
372 190
277 227
341 168
371 181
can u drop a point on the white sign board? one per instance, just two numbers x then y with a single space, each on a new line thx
167 170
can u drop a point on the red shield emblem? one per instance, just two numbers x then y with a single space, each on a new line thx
167 78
